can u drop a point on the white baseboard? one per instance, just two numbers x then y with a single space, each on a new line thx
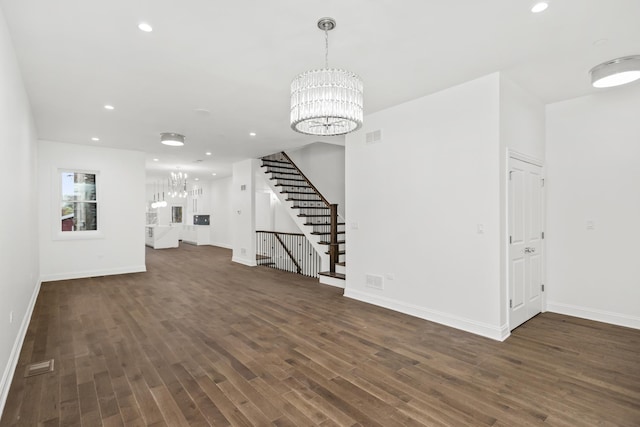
498 333
93 273
222 245
331 281
594 314
244 261
7 375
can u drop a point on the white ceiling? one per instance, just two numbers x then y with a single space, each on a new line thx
236 59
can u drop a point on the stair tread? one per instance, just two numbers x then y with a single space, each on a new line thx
276 161
342 264
300 192
291 199
322 233
309 207
283 173
288 179
314 216
325 242
334 275
339 252
280 165
291 185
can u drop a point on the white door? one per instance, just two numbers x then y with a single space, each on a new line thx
525 241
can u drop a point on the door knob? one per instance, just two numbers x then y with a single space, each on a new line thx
529 250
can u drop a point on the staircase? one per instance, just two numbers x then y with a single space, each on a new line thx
317 218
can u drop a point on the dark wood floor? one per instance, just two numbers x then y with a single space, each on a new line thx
199 340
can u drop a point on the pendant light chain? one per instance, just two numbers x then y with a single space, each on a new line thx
326 48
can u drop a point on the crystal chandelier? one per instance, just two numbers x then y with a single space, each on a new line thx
178 184
326 102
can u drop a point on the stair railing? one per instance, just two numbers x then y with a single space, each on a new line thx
287 251
334 246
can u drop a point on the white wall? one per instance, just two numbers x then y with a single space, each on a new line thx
221 213
19 264
271 214
417 198
324 165
522 132
593 159
121 198
243 224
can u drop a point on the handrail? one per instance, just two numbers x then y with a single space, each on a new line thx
280 232
305 178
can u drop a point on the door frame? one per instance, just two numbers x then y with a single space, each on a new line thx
516 155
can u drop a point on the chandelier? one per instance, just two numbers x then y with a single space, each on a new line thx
326 102
178 184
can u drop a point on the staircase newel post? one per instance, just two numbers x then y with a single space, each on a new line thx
333 241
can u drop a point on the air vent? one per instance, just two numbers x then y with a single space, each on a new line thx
374 137
39 368
198 161
374 282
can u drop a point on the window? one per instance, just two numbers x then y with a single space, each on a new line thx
78 202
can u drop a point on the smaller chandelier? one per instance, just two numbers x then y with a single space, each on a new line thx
329 101
173 139
178 184
616 72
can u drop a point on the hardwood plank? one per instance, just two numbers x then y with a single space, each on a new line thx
222 344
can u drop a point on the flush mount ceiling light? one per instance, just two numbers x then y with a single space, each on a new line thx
172 139
329 101
616 72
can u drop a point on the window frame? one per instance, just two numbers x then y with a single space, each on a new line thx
58 201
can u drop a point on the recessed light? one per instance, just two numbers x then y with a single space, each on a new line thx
600 42
143 26
202 111
109 107
252 134
539 7
208 153
197 179
214 174
155 160
95 138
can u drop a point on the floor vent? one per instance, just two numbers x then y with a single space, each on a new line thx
39 368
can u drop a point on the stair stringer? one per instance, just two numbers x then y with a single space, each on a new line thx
306 230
